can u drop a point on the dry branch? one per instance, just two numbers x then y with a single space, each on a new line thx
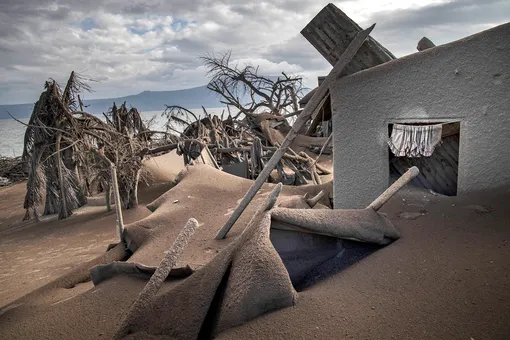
13 169
234 84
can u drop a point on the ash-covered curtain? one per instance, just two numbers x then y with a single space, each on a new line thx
414 140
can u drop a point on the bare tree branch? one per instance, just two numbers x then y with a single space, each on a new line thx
263 94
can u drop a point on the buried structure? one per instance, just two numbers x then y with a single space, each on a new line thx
442 109
285 240
212 285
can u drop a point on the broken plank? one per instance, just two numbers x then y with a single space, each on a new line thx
331 31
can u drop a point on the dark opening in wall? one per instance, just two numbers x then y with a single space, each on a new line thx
439 171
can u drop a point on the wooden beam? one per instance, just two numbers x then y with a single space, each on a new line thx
392 190
315 115
331 31
292 134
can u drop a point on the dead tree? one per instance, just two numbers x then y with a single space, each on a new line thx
178 120
44 146
68 151
129 124
249 92
321 91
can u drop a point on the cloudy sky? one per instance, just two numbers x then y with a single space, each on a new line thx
137 45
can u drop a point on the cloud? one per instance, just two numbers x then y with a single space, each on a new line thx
400 30
142 45
297 51
465 12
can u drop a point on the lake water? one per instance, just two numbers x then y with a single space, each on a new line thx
12 133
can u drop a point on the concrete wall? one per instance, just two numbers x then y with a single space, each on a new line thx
467 81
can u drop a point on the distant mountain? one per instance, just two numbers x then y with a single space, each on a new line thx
193 98
17 110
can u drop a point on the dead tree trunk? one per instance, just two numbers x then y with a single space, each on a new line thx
133 194
118 203
63 209
51 204
108 197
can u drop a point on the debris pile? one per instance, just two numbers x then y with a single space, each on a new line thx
12 170
242 143
243 146
281 237
265 138
71 154
256 273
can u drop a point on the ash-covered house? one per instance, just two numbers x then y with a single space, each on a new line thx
445 109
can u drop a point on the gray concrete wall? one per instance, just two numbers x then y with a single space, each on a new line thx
467 81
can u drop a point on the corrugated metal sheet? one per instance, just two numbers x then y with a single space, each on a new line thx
438 172
331 31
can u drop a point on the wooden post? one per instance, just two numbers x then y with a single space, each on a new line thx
322 90
324 147
151 288
108 197
118 204
399 184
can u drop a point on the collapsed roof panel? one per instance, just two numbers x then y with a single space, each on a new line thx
331 31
